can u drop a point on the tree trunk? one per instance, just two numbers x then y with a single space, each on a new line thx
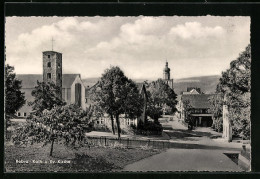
118 126
112 124
51 147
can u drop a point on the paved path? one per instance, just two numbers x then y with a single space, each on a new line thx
194 151
185 160
199 138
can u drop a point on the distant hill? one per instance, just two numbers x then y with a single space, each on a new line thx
207 84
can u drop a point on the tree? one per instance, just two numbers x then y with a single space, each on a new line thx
235 83
216 108
160 97
187 108
115 94
46 96
66 124
14 98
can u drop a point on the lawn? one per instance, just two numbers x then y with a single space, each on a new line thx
35 158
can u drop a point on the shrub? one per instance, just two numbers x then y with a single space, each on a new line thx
117 145
217 125
146 147
149 128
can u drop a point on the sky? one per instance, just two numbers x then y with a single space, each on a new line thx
140 46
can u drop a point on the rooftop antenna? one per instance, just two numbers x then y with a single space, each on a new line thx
52 43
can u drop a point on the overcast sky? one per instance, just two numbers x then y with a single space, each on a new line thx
193 46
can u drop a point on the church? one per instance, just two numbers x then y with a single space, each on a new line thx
71 86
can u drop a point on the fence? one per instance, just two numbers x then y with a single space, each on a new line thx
128 143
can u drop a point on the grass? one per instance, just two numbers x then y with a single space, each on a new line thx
64 159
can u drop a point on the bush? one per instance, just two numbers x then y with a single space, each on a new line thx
100 128
117 145
217 125
149 128
146 147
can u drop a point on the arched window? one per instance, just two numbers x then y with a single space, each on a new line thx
49 64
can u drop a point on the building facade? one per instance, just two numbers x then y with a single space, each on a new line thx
52 68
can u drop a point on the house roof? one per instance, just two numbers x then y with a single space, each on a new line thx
30 80
199 101
88 90
192 91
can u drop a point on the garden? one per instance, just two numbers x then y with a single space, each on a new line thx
36 158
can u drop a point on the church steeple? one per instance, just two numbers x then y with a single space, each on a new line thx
166 72
166 75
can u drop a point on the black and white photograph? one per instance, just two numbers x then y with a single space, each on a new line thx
127 94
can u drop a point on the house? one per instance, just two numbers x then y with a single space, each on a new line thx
72 87
192 90
199 108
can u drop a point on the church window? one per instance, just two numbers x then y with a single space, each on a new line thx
49 64
48 75
18 114
49 56
24 114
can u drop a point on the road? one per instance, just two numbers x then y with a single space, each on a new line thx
196 150
185 160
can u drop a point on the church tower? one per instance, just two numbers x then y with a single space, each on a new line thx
166 76
52 68
166 72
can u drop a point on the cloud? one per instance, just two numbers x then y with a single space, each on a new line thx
139 45
196 30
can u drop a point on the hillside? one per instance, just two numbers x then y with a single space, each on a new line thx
206 83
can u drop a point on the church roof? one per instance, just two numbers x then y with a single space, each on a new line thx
30 80
68 79
199 101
